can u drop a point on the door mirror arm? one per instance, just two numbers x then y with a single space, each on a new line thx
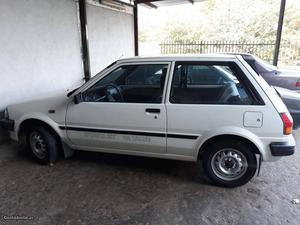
78 98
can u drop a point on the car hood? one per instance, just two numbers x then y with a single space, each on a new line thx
56 102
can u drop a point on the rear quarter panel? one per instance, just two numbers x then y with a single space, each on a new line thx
208 120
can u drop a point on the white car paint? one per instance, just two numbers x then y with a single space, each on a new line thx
201 121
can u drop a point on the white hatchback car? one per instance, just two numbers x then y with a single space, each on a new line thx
209 107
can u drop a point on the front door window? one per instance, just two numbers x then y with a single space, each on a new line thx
130 84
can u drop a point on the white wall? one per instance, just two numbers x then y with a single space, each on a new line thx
40 48
110 34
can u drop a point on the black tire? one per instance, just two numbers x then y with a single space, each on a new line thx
224 156
48 143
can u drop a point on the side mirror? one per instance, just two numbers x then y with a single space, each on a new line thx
78 98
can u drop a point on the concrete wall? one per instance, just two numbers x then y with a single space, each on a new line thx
40 48
110 36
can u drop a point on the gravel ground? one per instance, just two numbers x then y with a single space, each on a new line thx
95 188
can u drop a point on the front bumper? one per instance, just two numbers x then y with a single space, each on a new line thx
7 124
281 149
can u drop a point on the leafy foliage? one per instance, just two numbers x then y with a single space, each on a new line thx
251 21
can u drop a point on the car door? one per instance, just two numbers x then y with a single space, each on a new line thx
122 111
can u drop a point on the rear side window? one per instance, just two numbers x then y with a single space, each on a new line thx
210 83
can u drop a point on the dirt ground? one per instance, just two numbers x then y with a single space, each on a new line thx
95 188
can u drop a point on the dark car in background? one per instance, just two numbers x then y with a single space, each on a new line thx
292 101
285 82
285 78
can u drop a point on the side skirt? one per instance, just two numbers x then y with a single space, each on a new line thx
136 153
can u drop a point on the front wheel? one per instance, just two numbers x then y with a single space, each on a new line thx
229 163
43 145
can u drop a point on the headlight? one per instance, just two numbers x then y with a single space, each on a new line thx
6 115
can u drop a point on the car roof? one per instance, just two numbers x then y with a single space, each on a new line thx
244 55
179 57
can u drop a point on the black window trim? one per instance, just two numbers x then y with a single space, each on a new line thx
114 66
241 76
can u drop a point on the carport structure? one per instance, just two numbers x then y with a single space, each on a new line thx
159 3
155 4
133 4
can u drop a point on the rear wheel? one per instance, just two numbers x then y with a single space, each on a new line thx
43 145
229 164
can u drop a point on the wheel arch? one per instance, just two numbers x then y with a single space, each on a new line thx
30 122
220 137
47 123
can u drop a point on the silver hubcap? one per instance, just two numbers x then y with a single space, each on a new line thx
38 145
229 164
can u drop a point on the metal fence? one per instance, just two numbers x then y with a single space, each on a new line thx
289 52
